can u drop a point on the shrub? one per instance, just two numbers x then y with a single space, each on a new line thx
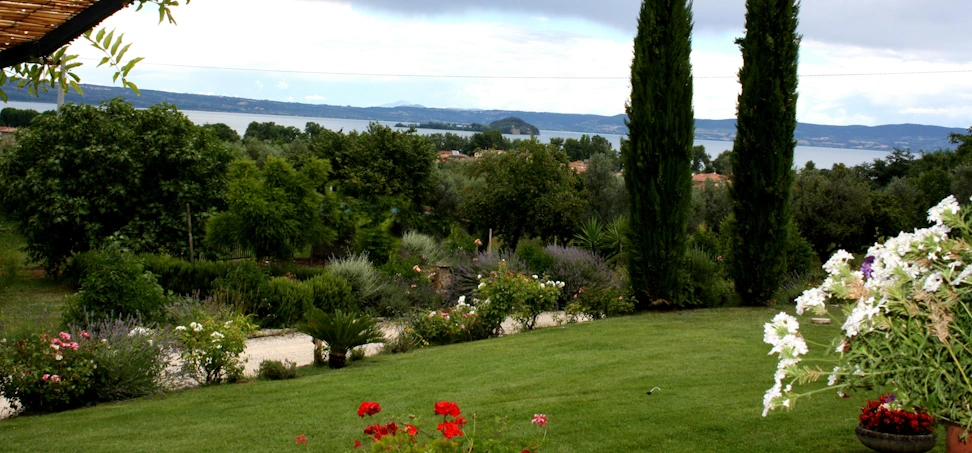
275 370
8 268
453 325
578 268
597 302
400 296
132 362
704 283
242 284
210 348
423 247
182 277
48 373
468 270
341 331
283 302
533 253
302 273
332 293
113 284
360 273
375 241
506 293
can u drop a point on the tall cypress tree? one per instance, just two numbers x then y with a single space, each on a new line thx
762 157
657 155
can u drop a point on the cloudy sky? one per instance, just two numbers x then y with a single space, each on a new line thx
862 61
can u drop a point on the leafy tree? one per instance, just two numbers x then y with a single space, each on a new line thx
271 132
710 206
492 139
831 209
379 162
657 154
527 191
700 160
88 172
273 211
11 117
604 190
762 157
722 164
223 132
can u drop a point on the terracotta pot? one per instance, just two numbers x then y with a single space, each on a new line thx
895 443
953 442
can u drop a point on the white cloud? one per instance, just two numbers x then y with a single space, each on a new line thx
282 85
259 85
315 97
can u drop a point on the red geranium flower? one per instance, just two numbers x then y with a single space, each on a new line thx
368 407
450 430
301 440
411 430
461 421
446 408
357 443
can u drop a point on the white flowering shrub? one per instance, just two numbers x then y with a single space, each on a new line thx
211 348
907 323
505 293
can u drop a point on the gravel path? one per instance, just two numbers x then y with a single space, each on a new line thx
299 348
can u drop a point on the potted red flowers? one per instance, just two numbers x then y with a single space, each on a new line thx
886 426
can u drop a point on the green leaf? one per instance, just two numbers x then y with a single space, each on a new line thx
75 87
121 55
103 61
100 35
107 41
114 78
3 95
133 87
114 48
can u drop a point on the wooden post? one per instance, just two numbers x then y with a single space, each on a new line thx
489 245
189 222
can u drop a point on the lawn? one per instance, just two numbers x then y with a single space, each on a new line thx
590 379
32 300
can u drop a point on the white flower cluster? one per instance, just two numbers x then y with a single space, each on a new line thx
551 283
196 327
783 333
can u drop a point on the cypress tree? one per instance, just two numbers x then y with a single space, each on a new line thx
657 155
762 157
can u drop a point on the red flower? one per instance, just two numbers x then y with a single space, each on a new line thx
368 407
450 430
392 428
357 443
301 440
446 408
461 421
411 430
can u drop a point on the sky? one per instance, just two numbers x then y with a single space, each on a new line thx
865 62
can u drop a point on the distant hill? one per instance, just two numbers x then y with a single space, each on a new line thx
905 136
514 126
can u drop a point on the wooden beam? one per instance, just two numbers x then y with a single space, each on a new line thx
63 34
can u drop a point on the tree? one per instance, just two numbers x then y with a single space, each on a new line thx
700 160
223 132
271 132
88 172
657 154
604 190
12 117
527 191
274 211
722 164
831 209
762 158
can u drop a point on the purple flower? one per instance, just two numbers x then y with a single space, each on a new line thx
866 267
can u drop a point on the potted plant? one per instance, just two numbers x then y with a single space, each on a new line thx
341 332
907 317
887 427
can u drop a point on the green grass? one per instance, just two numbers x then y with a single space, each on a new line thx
590 379
32 300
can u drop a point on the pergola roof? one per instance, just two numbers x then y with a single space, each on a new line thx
35 28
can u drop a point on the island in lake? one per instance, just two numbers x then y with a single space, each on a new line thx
511 125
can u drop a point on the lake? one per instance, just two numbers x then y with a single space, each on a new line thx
821 157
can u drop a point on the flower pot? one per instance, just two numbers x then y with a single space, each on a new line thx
895 443
953 441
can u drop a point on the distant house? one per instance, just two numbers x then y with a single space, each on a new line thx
445 156
579 166
7 130
700 179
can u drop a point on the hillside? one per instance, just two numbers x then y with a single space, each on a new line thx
905 136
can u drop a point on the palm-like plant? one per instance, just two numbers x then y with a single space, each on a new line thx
341 331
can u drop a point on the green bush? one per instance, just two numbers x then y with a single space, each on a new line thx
376 242
400 296
48 373
366 282
506 293
420 246
114 283
211 347
302 273
453 325
182 277
283 302
134 363
275 370
704 282
597 302
341 331
533 253
332 293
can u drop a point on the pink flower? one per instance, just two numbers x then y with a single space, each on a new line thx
55 378
580 290
539 420
85 334
73 345
65 336
478 242
620 297
432 315
416 268
45 377
445 315
462 326
474 260
413 286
